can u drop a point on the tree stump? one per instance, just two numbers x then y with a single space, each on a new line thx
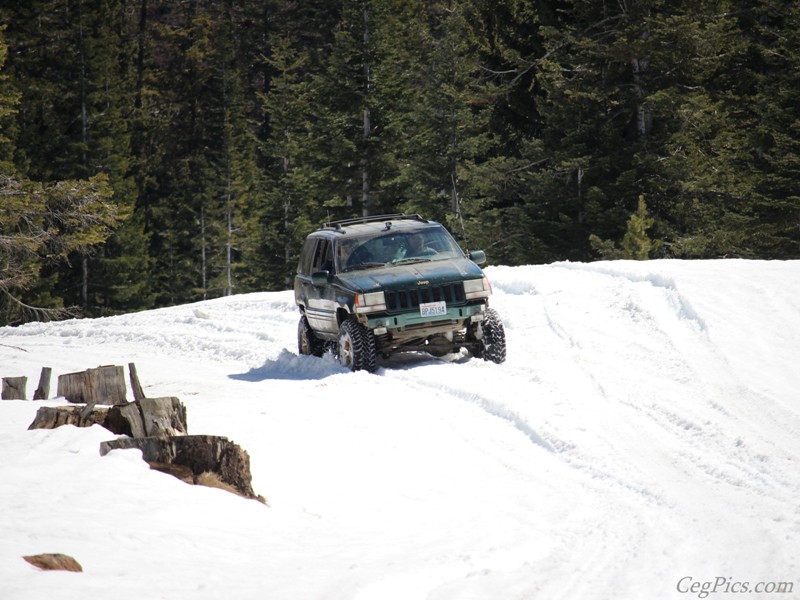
157 426
192 458
50 417
151 417
156 417
103 385
14 388
43 390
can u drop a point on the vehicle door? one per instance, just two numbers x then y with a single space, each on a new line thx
320 299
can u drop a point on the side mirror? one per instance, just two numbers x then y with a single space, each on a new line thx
477 256
320 278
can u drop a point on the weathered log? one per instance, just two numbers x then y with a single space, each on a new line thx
103 385
43 390
50 417
136 386
14 388
200 454
54 562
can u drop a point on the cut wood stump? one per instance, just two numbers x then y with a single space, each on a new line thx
43 390
156 426
50 417
14 388
103 385
156 417
151 417
194 458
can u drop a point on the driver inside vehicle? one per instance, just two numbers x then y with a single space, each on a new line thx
415 246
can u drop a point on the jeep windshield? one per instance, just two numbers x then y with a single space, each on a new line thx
395 248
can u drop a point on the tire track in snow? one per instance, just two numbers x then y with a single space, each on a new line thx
609 547
667 341
568 453
488 405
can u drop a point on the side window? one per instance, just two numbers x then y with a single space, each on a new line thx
306 256
323 257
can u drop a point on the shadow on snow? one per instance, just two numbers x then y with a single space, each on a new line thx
293 367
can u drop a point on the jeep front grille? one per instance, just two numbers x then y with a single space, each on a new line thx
451 293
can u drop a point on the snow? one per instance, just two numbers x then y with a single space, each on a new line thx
645 429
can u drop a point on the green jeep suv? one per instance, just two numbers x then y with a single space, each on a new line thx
393 283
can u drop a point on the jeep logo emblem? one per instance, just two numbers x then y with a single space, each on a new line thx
424 282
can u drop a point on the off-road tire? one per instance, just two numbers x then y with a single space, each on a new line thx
493 343
307 342
357 350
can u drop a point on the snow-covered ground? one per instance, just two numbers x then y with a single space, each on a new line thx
641 441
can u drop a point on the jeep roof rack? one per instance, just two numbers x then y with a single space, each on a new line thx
374 219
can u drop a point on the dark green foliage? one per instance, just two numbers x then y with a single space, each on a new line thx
70 66
637 243
42 226
228 130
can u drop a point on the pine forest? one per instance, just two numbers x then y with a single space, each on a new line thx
157 152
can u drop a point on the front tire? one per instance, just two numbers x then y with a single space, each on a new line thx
307 342
357 350
493 342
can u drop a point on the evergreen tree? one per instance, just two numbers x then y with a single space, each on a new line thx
69 63
445 155
295 186
121 267
774 136
346 118
9 101
596 74
228 130
42 226
702 165
195 211
637 244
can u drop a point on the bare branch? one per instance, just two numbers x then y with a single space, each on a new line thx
35 313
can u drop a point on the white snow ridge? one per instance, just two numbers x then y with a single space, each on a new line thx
641 441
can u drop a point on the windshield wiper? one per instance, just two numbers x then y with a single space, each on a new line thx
362 266
413 259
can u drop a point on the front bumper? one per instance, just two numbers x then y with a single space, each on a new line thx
454 317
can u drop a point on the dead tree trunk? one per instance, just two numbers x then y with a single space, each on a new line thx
136 386
43 391
14 388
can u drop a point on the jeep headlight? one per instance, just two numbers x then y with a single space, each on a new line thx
370 302
477 288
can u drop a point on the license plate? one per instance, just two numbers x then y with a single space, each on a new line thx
432 309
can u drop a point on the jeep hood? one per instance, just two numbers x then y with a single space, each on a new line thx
398 277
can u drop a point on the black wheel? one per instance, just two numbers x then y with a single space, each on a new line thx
493 342
307 342
357 349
